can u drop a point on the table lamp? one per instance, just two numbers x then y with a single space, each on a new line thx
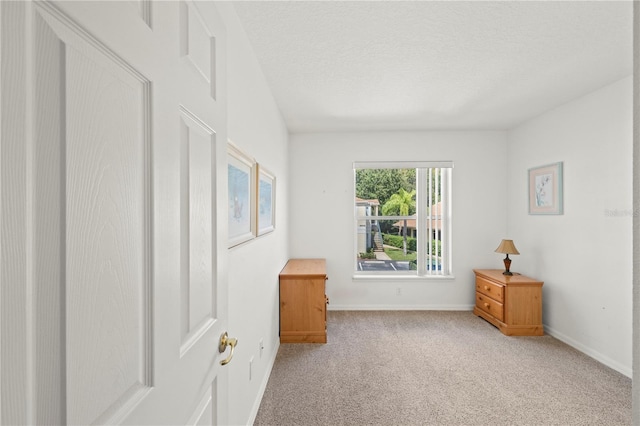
507 247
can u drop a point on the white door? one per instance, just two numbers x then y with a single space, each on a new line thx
113 230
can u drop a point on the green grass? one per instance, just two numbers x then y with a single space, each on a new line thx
399 255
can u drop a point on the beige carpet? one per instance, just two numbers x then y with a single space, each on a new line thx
438 368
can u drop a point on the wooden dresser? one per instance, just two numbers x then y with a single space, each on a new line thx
303 303
513 303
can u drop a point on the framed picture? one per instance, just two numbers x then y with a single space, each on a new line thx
545 189
241 171
266 202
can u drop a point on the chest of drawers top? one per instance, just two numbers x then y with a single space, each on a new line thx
496 276
304 268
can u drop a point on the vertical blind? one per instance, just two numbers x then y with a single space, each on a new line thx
433 214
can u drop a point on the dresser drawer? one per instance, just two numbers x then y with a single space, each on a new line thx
488 288
490 306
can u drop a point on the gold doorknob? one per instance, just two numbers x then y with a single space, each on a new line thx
225 341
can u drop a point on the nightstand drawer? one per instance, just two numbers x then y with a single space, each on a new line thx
490 306
490 289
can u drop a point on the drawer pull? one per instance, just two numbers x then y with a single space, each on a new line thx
486 287
486 305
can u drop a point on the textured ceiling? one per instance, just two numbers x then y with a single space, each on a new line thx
419 65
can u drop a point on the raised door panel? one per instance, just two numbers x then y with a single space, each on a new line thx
198 45
197 158
91 145
107 241
205 412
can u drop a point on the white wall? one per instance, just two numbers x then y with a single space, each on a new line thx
256 126
321 211
585 255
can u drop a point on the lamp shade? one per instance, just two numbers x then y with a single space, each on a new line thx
507 247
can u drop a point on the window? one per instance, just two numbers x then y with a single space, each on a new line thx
403 218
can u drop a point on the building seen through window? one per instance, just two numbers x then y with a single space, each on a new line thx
403 218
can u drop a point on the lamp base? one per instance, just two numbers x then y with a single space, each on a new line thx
507 264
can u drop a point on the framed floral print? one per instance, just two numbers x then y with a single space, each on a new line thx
266 202
241 174
545 189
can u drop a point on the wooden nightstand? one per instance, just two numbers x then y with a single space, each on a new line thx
513 303
303 303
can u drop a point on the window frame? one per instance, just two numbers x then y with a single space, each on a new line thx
423 243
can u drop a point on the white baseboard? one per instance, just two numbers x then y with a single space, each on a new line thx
263 385
401 307
623 369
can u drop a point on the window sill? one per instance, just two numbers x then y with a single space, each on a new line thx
384 277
